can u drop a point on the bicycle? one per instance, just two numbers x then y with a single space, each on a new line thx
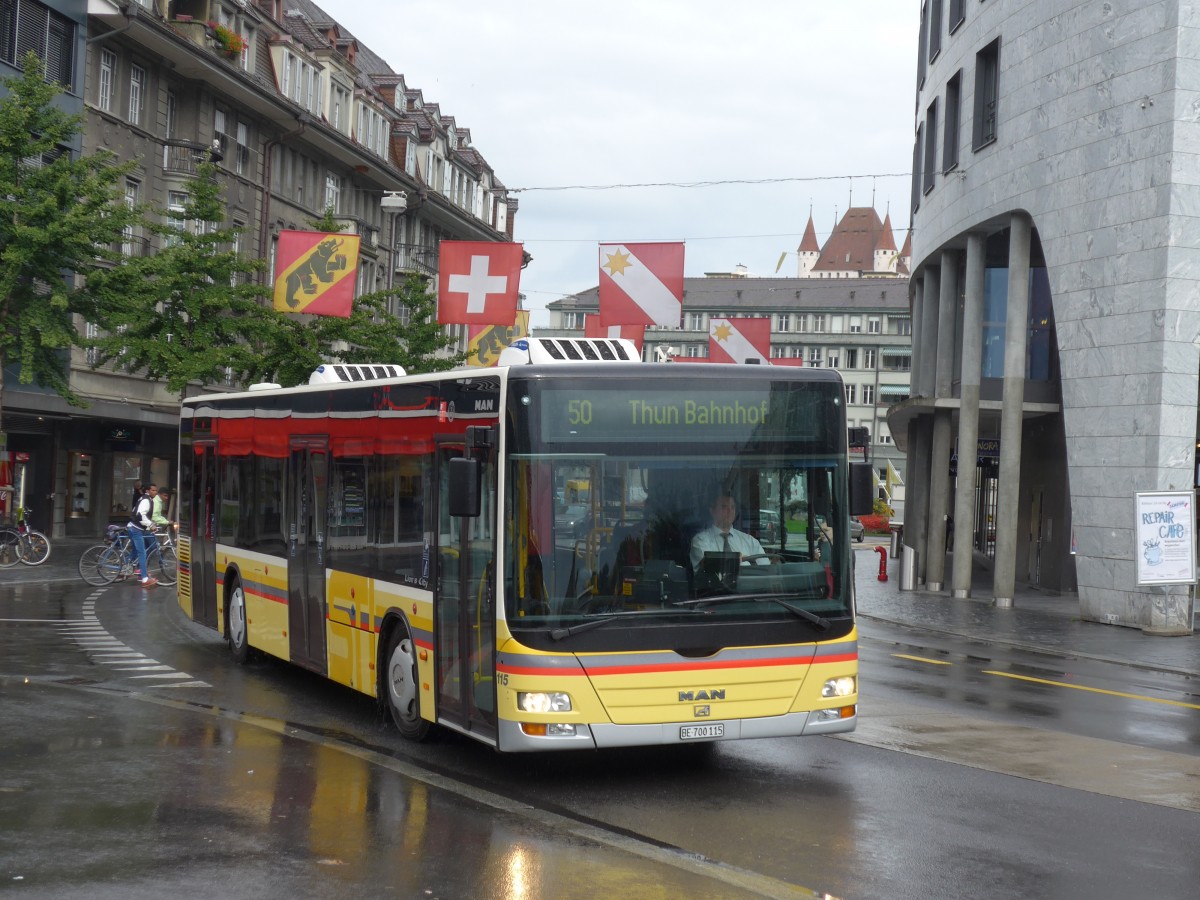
21 543
115 559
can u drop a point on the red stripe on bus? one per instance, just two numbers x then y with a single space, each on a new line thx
677 667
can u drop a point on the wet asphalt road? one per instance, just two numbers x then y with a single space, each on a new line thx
137 760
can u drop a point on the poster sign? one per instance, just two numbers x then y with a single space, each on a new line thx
1165 530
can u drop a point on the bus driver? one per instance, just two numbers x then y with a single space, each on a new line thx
721 536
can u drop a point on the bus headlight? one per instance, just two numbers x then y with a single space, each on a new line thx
839 687
543 701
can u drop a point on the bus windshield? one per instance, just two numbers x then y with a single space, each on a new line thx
708 502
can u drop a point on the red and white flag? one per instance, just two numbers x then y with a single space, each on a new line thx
477 282
737 340
641 284
593 329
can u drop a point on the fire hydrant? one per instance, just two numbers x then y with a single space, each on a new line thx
882 563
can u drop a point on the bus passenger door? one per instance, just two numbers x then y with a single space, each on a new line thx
202 529
308 489
465 606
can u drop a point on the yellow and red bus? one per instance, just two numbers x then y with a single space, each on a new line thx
399 535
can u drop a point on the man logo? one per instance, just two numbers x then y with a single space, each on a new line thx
712 694
484 405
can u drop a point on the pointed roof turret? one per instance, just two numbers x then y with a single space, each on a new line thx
886 240
808 243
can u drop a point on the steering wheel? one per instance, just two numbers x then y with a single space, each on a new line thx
773 557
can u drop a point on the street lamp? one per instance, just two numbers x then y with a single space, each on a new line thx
394 203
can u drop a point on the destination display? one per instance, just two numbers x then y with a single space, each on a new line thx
647 415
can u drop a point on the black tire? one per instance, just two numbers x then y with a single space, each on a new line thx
10 548
89 565
235 623
860 538
113 563
37 548
166 565
401 690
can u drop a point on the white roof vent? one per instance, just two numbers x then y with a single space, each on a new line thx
568 350
335 373
264 386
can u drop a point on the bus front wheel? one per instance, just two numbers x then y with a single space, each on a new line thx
402 689
239 636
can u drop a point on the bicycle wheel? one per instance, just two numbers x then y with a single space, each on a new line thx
37 548
11 550
90 569
113 563
164 564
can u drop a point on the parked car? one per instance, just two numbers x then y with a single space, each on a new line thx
857 530
768 526
574 521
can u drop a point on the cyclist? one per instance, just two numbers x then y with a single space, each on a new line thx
141 528
158 505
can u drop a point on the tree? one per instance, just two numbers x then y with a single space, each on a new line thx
192 311
375 332
61 219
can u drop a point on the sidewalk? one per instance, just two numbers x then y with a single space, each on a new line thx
1037 621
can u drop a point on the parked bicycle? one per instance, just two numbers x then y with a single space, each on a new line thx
115 559
21 543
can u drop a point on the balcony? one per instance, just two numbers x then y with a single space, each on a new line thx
182 157
416 259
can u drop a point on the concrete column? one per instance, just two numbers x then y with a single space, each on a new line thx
939 500
939 460
947 310
917 504
968 418
1016 337
923 375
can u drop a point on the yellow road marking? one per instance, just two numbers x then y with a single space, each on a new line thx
936 662
1080 687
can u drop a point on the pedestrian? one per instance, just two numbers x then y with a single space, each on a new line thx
135 497
160 502
141 527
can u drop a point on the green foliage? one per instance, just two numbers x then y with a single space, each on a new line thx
58 215
192 311
880 508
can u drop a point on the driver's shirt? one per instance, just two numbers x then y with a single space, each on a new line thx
712 540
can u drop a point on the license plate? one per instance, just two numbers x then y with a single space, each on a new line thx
692 732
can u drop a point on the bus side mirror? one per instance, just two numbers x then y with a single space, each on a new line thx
464 487
862 489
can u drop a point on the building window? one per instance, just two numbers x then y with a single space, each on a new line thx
868 359
695 321
873 325
987 86
783 322
137 90
26 26
868 394
833 359
818 323
958 12
802 322
923 41
916 167
935 29
851 358
931 117
900 326
133 191
856 324
108 68
950 126
814 356
573 320
172 113
851 394
176 205
333 193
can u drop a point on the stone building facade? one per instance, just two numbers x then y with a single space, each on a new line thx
1054 284
300 116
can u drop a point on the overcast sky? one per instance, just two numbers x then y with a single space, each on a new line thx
804 93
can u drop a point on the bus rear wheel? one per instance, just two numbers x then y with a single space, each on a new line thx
239 635
402 693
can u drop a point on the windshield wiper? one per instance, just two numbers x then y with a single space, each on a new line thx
559 633
820 622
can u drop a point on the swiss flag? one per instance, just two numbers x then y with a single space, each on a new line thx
593 329
737 340
477 283
641 284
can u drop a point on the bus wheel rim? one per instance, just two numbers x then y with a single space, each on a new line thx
400 678
237 617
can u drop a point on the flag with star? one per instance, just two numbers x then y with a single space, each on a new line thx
478 282
593 329
737 340
641 284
